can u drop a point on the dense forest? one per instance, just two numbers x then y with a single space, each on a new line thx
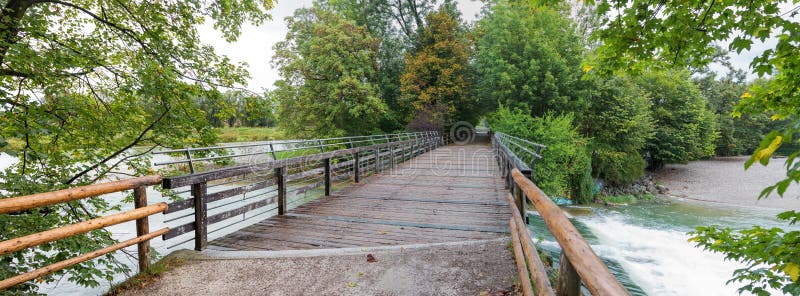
613 88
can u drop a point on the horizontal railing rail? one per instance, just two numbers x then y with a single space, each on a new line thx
578 262
140 213
271 180
274 150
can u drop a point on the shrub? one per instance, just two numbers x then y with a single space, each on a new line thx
565 169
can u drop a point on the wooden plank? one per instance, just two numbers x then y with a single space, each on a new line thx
220 195
407 224
519 258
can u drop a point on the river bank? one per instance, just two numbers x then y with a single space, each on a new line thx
724 180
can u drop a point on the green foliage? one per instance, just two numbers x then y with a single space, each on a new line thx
565 167
392 22
684 127
737 135
771 255
235 108
529 58
81 84
620 124
327 64
626 199
436 78
248 134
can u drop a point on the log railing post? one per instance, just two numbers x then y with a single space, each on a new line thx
142 228
327 163
519 200
569 282
280 179
200 216
356 168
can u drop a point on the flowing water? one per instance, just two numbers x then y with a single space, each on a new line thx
646 245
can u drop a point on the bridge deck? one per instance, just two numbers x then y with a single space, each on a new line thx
453 193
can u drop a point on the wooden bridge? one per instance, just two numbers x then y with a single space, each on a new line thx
402 189
440 196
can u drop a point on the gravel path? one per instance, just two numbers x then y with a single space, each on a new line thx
468 268
724 179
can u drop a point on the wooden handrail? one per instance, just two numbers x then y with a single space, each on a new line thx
519 258
16 280
140 213
588 265
21 203
537 270
16 244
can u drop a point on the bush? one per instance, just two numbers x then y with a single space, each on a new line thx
565 169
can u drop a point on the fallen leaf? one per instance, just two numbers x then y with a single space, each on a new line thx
360 274
371 258
352 284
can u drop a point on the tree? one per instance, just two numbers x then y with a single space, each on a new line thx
436 80
529 58
620 124
327 64
737 136
684 127
81 84
641 34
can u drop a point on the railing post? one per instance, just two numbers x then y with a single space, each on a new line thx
200 216
142 228
319 143
569 282
356 168
327 163
272 150
189 158
377 160
280 177
519 199
391 157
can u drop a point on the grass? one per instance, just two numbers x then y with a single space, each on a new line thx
625 199
144 278
248 134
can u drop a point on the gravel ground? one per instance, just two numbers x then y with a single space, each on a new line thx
724 179
460 269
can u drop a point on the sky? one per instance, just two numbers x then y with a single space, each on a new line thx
254 46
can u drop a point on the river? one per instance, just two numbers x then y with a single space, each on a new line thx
644 244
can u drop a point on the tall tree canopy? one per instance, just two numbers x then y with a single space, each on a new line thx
531 58
684 127
328 68
82 82
436 80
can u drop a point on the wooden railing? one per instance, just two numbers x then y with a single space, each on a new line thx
140 213
327 167
578 262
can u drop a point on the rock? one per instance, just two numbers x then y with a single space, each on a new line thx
661 189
